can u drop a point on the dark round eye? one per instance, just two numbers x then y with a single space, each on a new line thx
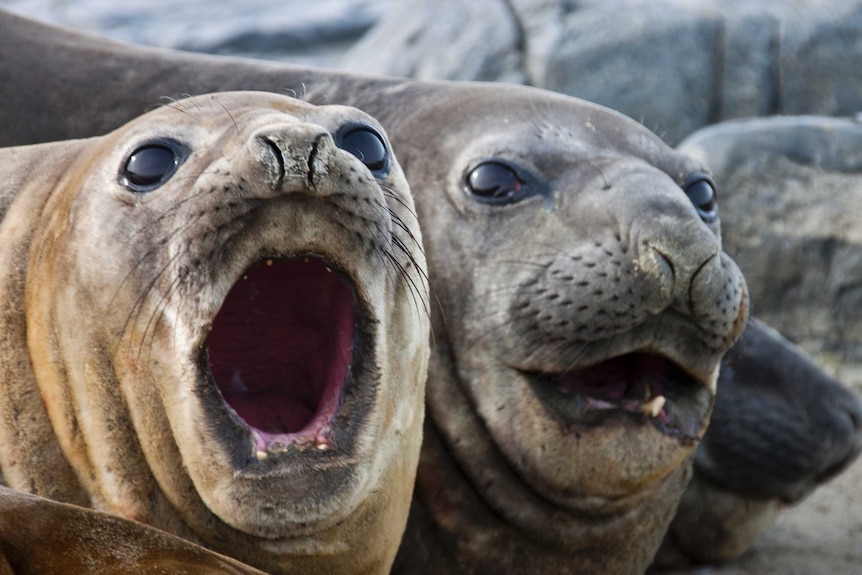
494 182
368 145
701 191
150 165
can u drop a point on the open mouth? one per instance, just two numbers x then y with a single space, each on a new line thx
644 385
280 350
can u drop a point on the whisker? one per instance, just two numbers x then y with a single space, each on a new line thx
419 269
390 192
414 289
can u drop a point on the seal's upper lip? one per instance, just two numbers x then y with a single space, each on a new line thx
280 351
640 384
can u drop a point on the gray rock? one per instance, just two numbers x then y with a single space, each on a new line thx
820 60
312 32
442 40
655 64
676 65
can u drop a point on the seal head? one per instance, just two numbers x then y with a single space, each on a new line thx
587 306
224 315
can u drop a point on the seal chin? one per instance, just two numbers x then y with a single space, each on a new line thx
280 352
640 386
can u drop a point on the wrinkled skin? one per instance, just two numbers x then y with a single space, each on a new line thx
132 349
136 78
33 544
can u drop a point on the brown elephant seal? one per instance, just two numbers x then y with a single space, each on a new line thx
584 299
39 536
214 324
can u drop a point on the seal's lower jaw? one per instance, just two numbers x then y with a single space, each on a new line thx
639 386
280 352
611 434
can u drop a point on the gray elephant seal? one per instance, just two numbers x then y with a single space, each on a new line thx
592 307
213 324
42 537
585 302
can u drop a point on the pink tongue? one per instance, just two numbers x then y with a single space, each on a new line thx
282 343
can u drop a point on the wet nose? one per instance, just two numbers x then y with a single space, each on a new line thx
679 258
294 156
682 257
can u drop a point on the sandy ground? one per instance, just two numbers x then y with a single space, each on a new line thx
820 536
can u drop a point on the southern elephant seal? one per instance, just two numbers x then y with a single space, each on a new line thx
585 310
39 536
447 132
213 323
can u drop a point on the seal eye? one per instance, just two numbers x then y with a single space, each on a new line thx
368 145
701 191
150 165
494 182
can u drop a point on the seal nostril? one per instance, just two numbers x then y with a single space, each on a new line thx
277 161
657 269
312 158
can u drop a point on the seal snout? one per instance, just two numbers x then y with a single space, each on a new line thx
672 262
686 278
294 157
302 161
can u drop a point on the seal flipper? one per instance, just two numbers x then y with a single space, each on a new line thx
92 542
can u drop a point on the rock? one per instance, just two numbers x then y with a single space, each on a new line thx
656 64
789 197
444 39
676 65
